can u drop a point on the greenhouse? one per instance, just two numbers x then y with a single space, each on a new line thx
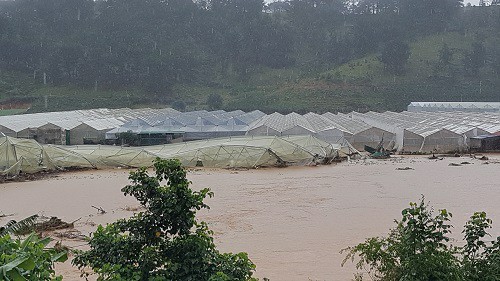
188 126
359 133
35 126
412 135
277 124
406 131
326 130
25 155
28 156
454 106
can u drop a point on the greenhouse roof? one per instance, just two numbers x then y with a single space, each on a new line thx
457 105
282 123
319 122
348 124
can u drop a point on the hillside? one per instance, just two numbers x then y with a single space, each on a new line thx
361 84
297 56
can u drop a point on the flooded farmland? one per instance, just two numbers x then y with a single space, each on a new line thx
292 221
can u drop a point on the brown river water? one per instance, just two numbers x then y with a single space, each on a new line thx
292 221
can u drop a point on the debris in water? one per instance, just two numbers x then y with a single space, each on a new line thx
53 223
101 210
404 169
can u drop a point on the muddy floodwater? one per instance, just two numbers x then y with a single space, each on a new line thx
292 221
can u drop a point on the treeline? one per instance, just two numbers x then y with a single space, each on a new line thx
154 44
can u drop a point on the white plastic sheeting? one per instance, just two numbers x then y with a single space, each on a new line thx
359 133
455 106
414 134
28 156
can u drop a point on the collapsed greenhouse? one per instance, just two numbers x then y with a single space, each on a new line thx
28 156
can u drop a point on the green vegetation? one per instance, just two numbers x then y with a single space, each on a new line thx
419 249
164 242
28 259
298 55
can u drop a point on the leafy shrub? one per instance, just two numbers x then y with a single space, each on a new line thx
28 259
418 249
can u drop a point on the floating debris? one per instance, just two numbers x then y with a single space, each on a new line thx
404 169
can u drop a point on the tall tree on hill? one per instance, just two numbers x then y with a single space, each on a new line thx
445 54
428 16
474 59
395 55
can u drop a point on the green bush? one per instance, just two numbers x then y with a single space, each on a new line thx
418 249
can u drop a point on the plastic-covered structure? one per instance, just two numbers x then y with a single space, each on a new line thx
250 152
25 155
28 156
359 133
235 152
331 132
277 124
412 135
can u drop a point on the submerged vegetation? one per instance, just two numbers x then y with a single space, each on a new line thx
298 55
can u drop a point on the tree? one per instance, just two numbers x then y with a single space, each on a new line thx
474 59
418 249
445 54
395 55
179 105
214 101
164 242
481 260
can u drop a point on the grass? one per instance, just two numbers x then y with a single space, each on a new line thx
4 112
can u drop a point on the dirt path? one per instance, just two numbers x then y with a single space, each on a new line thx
294 221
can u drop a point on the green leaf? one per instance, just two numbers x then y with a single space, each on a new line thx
13 264
28 264
15 275
60 257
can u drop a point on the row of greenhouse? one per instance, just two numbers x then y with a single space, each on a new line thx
28 156
404 131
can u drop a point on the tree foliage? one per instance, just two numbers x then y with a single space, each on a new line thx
445 55
158 47
395 55
214 101
23 226
164 242
475 58
418 249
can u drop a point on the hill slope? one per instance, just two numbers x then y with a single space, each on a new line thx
360 84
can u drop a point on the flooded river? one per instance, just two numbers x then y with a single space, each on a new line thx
292 221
